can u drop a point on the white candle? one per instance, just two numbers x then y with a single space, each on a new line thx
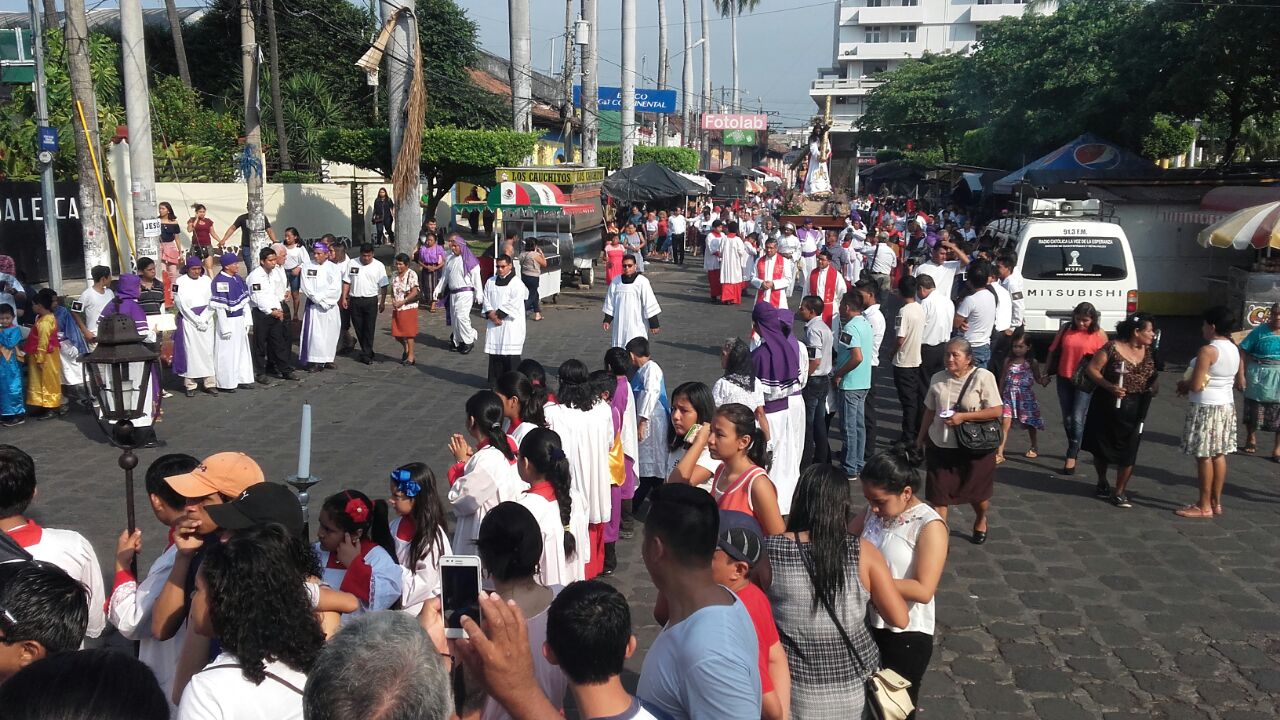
1121 383
304 443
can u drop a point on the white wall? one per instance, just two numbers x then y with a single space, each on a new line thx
1172 267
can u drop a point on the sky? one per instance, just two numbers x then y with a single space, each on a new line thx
780 46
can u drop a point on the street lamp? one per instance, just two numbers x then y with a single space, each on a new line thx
120 379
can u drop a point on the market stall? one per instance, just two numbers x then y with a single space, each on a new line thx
1253 289
528 204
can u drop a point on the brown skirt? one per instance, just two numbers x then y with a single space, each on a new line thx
954 476
404 323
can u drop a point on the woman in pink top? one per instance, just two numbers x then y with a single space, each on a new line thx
1073 345
613 253
741 483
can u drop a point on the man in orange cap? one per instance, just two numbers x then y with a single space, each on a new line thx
219 478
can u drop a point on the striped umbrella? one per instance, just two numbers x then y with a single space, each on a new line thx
1256 227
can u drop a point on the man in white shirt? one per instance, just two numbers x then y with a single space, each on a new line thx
976 314
503 309
846 263
908 331
678 226
1011 279
772 276
1002 335
967 233
854 231
939 318
268 291
871 312
364 295
881 260
940 267
819 342
93 301
747 224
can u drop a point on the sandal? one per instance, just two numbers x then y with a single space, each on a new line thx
1249 449
1217 509
1031 454
1193 511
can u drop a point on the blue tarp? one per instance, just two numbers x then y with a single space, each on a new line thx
1088 156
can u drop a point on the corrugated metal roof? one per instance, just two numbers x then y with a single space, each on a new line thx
109 18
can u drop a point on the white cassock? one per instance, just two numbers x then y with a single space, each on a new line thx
462 288
654 448
711 260
777 270
810 243
553 567
788 450
488 478
631 305
586 437
789 246
191 297
321 319
420 579
70 551
507 338
233 362
733 258
129 609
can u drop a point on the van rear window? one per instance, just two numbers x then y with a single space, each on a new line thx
1074 258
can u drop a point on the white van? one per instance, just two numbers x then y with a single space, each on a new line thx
1068 253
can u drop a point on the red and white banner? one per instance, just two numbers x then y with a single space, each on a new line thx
724 121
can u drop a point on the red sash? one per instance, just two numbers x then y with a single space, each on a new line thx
775 295
828 293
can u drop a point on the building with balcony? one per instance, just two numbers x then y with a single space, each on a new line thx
871 37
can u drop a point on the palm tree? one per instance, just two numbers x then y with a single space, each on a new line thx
662 66
179 48
732 9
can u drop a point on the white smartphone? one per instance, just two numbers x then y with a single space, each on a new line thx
460 592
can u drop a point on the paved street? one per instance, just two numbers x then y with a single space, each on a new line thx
1073 609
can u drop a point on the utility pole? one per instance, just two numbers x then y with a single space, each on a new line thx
255 167
48 204
401 50
566 82
93 218
137 107
686 81
277 100
521 67
706 86
590 88
628 152
661 123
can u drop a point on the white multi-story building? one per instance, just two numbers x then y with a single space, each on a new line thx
874 36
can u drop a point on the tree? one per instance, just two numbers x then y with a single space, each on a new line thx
732 9
919 105
450 47
448 154
677 158
179 47
1167 138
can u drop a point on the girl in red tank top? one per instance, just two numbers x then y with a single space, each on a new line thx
741 483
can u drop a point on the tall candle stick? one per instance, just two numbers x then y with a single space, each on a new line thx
1122 374
304 443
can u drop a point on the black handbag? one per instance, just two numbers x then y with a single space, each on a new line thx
981 436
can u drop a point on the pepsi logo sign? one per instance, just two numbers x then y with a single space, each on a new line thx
1097 156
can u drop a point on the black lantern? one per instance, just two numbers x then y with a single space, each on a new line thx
120 378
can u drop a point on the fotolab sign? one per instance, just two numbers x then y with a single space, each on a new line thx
22 229
725 121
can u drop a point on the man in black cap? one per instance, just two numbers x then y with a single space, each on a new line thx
259 504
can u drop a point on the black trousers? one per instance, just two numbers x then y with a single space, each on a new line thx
501 364
344 332
364 318
906 653
677 248
910 384
931 361
270 343
817 446
869 416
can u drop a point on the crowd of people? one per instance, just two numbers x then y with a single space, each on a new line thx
788 574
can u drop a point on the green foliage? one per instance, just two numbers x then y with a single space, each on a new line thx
676 158
193 143
449 46
1167 138
448 154
17 116
920 105
885 155
295 176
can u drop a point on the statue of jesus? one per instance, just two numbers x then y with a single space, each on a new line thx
817 180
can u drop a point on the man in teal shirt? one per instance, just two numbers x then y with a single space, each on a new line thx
852 378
